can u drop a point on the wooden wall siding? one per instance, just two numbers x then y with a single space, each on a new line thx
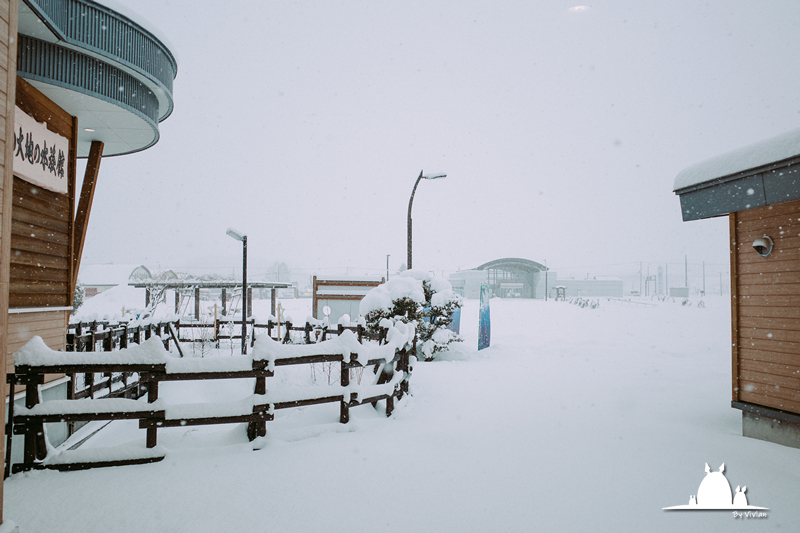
8 69
767 307
40 251
49 325
41 264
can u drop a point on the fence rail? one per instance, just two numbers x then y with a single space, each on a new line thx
389 381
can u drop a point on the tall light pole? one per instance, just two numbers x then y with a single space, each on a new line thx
410 202
239 236
387 266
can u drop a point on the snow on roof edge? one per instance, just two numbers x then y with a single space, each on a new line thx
134 16
758 154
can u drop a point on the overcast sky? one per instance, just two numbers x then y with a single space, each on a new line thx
305 124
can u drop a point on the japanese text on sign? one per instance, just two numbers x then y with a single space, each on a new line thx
40 156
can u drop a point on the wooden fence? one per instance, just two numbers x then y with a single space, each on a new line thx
255 410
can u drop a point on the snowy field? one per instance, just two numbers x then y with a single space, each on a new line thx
575 419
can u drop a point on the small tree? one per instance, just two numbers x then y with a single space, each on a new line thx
78 296
419 297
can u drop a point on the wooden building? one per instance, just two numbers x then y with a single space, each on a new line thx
758 189
341 294
90 82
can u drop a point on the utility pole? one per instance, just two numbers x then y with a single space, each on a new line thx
387 266
686 263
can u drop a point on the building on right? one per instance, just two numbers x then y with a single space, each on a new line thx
758 189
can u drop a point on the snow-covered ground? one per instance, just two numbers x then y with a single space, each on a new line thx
575 419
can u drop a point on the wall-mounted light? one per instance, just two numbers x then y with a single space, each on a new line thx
763 246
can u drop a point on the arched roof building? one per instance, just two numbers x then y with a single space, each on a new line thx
513 277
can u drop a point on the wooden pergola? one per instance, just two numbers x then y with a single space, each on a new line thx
158 287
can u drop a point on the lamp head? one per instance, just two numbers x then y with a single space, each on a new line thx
435 176
238 235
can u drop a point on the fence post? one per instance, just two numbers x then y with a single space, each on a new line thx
152 396
344 408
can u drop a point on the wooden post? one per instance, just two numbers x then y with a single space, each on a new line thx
260 427
85 203
224 301
197 303
273 297
344 408
249 302
152 396
177 301
147 297
389 405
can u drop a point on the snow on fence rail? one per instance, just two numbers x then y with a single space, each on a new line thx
312 332
391 360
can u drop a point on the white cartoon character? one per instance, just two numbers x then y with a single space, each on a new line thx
692 500
739 499
714 490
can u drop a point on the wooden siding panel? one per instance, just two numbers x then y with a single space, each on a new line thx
26 299
754 311
768 334
26 272
764 356
20 257
767 307
24 229
785 208
781 365
770 401
51 326
771 289
27 216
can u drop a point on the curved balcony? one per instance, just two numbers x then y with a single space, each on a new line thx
101 66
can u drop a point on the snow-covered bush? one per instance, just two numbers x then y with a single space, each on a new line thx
78 296
419 297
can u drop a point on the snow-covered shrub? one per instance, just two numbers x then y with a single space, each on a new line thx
78 296
419 297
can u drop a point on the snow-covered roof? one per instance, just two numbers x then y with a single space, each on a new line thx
136 17
106 274
782 147
350 278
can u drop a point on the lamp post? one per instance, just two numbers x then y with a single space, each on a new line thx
387 266
410 202
239 236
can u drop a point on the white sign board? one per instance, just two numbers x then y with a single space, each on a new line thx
285 293
40 156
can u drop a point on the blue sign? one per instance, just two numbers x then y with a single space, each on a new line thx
455 325
484 321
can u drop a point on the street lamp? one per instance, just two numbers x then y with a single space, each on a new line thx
239 236
387 266
410 202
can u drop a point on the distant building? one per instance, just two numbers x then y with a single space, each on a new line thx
99 278
522 278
